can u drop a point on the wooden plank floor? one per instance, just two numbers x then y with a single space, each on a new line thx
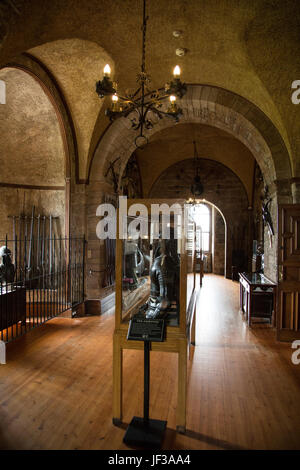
243 391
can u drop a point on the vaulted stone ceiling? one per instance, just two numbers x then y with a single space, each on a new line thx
175 144
76 65
31 145
250 48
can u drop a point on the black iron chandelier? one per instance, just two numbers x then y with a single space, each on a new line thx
143 101
197 186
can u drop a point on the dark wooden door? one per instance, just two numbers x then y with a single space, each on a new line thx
288 306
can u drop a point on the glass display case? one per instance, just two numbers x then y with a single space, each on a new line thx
257 297
155 279
150 272
135 275
150 276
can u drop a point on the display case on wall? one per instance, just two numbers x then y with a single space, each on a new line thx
154 279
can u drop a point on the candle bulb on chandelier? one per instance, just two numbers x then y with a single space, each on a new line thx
176 71
173 107
115 106
107 70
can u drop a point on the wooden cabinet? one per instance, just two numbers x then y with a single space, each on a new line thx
257 297
288 324
12 307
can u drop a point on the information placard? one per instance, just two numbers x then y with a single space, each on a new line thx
146 329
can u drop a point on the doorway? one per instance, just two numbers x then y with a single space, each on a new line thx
211 236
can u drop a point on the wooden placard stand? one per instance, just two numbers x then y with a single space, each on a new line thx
175 339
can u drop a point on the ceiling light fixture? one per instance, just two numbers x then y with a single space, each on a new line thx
197 186
143 101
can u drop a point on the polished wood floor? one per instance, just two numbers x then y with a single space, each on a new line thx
243 391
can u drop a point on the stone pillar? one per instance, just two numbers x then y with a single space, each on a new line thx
95 259
295 188
77 210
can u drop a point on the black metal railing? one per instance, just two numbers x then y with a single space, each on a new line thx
38 281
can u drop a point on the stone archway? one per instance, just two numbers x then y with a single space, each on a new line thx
216 107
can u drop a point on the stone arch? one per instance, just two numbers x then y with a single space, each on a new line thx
29 64
222 188
216 107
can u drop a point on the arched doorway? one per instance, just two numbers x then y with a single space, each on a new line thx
211 241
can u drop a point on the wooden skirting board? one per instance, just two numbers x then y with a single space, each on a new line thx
99 306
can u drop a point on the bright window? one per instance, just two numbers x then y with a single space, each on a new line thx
202 219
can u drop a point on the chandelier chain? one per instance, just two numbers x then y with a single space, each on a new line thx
144 27
146 103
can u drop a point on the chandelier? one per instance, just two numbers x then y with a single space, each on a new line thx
197 186
145 103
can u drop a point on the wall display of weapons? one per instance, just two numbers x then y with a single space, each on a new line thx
46 279
35 243
110 260
109 272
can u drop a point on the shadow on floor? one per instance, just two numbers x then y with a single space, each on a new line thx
6 445
171 436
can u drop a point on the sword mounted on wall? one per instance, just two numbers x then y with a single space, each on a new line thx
266 215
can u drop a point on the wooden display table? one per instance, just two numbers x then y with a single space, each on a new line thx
257 297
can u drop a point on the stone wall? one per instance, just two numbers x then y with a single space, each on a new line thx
97 192
78 210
